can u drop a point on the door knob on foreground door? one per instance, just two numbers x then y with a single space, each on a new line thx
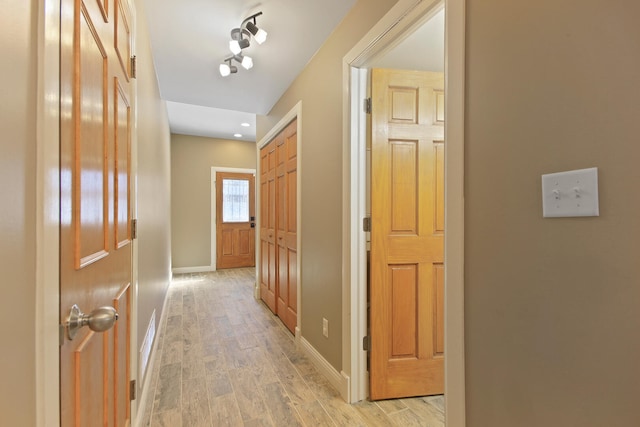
99 320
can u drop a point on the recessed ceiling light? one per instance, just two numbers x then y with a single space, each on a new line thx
237 135
246 125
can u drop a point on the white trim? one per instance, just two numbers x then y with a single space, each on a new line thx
454 366
212 213
47 398
294 113
202 269
396 24
338 380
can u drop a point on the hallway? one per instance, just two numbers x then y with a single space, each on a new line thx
224 359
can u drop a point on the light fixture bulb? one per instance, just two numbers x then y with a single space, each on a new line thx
259 34
225 70
234 47
245 124
247 62
237 135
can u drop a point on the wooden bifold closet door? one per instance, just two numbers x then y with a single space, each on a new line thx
278 229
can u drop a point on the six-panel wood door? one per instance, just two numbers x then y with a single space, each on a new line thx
95 208
407 234
235 237
278 232
268 277
286 202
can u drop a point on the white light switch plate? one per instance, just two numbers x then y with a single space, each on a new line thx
571 193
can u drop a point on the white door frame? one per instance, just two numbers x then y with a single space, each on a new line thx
214 212
47 357
401 20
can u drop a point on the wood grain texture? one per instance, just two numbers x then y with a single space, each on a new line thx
254 375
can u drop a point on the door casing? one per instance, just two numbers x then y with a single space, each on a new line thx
401 20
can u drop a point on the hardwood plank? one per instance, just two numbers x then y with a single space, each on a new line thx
195 403
282 410
313 414
248 394
225 411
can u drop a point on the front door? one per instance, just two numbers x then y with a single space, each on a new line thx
407 234
95 210
235 220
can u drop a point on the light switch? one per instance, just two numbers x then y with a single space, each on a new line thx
571 193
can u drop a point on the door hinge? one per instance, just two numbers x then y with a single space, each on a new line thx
61 335
134 65
366 343
366 223
367 105
134 229
132 390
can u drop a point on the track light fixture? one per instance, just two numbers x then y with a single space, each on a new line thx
240 39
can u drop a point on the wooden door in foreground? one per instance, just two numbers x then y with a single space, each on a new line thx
95 209
407 234
235 220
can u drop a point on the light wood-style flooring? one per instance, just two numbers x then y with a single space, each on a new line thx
223 359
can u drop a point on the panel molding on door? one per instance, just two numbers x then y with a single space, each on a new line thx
235 239
407 234
95 210
278 233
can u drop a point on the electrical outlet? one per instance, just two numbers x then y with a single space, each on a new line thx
325 327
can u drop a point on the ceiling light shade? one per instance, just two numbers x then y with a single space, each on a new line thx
227 68
234 47
247 62
238 42
259 34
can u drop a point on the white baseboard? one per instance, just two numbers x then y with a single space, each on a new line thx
203 269
339 380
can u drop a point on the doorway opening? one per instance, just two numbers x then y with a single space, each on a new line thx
403 20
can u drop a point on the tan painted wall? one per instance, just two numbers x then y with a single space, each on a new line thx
18 46
192 158
552 305
154 187
319 87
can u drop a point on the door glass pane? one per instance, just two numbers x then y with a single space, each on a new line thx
235 200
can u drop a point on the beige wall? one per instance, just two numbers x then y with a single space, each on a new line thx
154 187
18 47
552 305
320 89
192 158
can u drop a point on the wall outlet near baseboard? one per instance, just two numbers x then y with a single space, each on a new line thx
325 327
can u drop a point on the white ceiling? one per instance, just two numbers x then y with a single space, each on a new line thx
190 39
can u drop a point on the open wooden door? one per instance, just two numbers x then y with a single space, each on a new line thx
407 234
95 211
235 220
